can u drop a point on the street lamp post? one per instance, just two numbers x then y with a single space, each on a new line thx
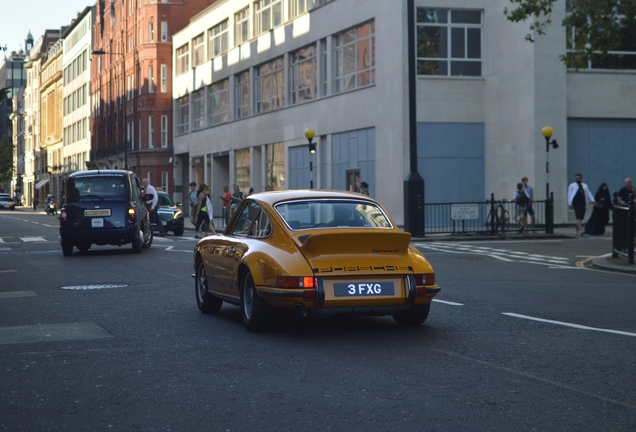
123 104
413 183
310 134
547 132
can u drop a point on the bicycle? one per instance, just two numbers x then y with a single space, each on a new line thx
501 217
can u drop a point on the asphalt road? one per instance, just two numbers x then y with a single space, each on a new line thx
521 338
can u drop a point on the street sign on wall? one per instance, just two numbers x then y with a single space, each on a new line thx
464 211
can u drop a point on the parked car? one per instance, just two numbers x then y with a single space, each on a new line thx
7 201
314 252
170 214
104 208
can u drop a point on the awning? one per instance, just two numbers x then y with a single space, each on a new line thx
41 183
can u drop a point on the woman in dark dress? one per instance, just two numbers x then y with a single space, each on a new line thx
600 215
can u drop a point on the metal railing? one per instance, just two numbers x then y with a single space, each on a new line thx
623 230
486 217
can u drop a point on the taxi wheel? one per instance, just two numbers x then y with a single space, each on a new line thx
254 310
416 315
147 237
67 249
207 303
138 242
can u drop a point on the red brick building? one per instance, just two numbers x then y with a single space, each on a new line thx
131 88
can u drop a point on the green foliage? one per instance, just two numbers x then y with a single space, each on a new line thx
594 27
6 159
3 94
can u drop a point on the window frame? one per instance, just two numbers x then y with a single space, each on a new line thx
268 14
242 26
346 67
266 76
219 96
198 50
449 29
182 62
218 39
296 66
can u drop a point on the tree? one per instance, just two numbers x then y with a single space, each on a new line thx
6 159
3 94
594 27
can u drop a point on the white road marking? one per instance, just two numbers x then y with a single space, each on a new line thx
448 302
9 271
500 254
566 324
32 239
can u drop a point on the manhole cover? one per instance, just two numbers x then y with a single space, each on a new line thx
93 287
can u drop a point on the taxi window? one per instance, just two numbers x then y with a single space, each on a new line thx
103 187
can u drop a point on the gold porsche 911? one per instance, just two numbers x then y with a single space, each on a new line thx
314 252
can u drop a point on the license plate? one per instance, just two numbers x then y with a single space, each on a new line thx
97 223
364 289
101 212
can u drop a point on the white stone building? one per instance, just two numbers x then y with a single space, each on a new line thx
76 92
251 76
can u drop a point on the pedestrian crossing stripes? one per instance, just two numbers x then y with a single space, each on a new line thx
498 254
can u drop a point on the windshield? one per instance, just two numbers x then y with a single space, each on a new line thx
165 200
332 213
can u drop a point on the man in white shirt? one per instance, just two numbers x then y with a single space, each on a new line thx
152 204
579 196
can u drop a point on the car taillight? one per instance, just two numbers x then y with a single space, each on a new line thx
131 214
63 217
425 279
307 282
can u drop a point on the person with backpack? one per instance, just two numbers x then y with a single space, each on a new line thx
521 205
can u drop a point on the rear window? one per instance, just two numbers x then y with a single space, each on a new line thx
332 213
102 187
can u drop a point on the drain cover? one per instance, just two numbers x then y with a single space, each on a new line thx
93 287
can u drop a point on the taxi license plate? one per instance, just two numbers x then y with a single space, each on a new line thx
97 223
363 289
100 212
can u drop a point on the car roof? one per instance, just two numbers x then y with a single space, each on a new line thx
98 173
273 198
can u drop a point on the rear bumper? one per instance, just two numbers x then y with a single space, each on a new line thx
116 236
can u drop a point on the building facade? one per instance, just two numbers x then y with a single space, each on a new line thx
76 64
49 179
251 76
131 85
31 158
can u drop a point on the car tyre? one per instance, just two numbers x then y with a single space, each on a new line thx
254 311
138 243
416 315
147 236
178 232
206 302
67 249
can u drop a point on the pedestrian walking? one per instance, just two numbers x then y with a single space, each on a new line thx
529 191
194 200
203 212
364 188
152 202
601 213
227 200
521 205
579 196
